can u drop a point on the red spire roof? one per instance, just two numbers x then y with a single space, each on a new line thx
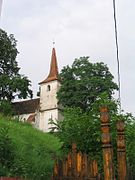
53 74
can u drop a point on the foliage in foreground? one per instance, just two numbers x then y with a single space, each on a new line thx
6 108
26 152
84 129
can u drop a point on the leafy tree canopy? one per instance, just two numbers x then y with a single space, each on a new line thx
84 129
12 84
83 82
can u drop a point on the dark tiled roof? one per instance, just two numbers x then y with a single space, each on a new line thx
26 107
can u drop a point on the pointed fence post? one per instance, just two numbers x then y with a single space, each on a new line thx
106 144
121 151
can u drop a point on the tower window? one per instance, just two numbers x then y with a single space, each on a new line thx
48 88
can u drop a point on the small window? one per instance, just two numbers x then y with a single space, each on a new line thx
48 88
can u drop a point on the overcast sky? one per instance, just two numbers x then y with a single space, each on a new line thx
79 28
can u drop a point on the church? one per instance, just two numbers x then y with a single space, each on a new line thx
40 110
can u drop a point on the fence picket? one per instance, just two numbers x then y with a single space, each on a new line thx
77 166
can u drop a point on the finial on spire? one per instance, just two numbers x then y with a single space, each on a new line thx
53 43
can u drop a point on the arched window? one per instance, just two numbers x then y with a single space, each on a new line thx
48 88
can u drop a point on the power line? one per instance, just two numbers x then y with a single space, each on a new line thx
117 50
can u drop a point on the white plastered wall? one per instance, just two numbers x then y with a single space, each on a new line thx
48 104
48 99
23 117
45 117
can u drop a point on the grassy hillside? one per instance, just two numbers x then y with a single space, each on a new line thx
26 152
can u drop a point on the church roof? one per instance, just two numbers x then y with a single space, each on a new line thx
53 74
26 107
31 118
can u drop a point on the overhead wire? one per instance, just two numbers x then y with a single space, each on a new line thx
117 53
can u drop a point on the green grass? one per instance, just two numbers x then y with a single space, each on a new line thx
26 152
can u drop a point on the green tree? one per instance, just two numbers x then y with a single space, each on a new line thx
12 83
84 129
83 82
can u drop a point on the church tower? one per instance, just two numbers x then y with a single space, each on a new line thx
49 108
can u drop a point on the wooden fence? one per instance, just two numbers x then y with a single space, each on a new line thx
76 166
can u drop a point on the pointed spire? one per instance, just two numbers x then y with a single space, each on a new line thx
53 74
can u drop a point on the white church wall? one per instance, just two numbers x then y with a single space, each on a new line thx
44 119
37 119
48 97
23 117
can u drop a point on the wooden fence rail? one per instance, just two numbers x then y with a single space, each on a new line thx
9 178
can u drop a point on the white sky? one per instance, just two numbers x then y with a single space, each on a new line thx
79 28
0 6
